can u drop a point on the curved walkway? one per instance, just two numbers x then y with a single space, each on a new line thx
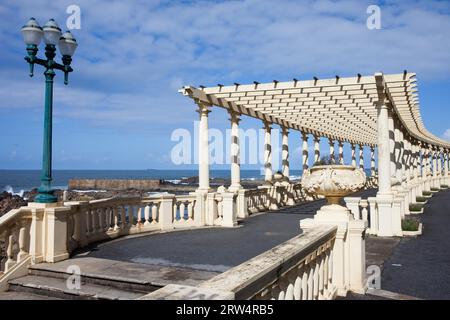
211 249
420 267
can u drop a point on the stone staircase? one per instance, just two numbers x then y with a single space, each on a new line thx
45 284
101 279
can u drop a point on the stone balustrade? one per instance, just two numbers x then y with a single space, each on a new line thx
16 227
299 269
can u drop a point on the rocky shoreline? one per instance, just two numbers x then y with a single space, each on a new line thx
10 201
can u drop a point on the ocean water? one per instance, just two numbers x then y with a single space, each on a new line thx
18 181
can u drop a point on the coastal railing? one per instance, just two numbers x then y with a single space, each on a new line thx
298 269
15 228
273 197
99 220
256 200
365 210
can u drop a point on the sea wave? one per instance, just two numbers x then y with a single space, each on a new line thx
10 189
174 181
86 191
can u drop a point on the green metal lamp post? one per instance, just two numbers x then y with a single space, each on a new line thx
32 35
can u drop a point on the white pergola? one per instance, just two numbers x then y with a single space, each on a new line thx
379 110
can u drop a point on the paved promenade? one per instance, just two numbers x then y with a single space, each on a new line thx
210 249
420 267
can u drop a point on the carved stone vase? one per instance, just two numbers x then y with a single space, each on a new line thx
333 182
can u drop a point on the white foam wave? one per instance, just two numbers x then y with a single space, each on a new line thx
10 189
174 181
86 191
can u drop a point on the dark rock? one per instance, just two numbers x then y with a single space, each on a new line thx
9 202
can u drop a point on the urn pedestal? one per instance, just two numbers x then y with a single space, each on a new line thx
335 182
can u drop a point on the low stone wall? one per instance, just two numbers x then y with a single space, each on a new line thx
113 184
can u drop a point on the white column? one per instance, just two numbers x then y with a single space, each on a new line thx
361 156
416 161
446 163
267 152
398 154
341 152
285 152
392 147
384 195
353 146
384 164
435 169
372 161
203 148
331 142
423 163
235 152
316 149
305 151
439 162
407 157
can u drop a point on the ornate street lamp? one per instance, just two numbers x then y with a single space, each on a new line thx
32 35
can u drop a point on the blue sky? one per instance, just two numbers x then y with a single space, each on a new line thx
122 104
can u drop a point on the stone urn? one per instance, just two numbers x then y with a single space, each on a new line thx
333 182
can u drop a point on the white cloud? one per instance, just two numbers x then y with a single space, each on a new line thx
446 135
133 55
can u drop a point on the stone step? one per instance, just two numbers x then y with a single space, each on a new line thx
121 283
57 287
17 295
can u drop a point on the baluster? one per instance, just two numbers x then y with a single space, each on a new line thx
9 253
190 211
305 284
219 210
138 216
325 273
88 222
316 280
182 209
23 253
310 282
147 215
289 292
110 219
101 221
175 211
130 215
364 204
154 213
123 217
298 286
321 276
94 221
116 218
281 295
330 268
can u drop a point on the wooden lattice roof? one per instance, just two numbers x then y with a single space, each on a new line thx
338 108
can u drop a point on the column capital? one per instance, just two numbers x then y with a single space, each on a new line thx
284 130
234 116
316 138
304 136
331 141
203 108
267 125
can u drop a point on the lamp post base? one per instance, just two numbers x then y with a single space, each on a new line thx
46 197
